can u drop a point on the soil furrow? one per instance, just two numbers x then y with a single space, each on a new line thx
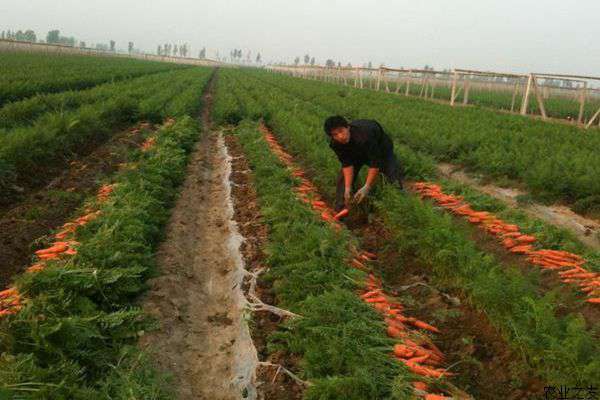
203 339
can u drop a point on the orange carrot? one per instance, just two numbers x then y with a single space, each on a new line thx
403 351
526 239
418 360
341 214
431 396
58 247
426 326
523 249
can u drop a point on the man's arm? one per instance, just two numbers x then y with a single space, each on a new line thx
348 175
371 176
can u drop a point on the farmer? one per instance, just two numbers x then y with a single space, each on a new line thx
360 142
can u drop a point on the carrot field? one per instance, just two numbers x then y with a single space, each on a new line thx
168 232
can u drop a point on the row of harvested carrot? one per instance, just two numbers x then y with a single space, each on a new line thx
513 240
10 299
63 246
414 349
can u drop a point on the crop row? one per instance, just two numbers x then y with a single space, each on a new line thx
554 161
75 333
26 112
25 75
529 319
340 339
56 135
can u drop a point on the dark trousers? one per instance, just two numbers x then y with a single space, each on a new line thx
392 171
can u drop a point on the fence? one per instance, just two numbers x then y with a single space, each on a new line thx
18 46
568 97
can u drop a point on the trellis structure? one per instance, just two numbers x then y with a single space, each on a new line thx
572 97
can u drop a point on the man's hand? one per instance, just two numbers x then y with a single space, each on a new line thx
361 193
347 197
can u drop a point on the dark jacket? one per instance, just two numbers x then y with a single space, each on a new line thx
368 145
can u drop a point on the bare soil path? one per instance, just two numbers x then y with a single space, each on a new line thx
203 341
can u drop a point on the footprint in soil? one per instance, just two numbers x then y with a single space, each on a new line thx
220 319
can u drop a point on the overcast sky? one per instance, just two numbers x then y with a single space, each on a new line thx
554 36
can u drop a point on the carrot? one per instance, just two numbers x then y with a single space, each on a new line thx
583 275
419 360
431 396
326 216
511 228
594 300
526 239
341 214
512 234
36 267
372 256
424 371
426 326
49 256
58 247
523 249
420 386
357 264
394 332
509 243
403 351
371 293
378 299
70 252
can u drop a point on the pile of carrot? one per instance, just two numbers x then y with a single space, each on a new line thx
516 242
414 349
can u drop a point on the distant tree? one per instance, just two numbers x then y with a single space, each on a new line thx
258 58
184 50
30 36
175 50
296 60
312 61
202 53
306 59
329 63
112 45
339 64
3 36
130 47
349 65
102 47
370 65
82 45
159 50
53 36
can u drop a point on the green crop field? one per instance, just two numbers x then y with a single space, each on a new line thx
123 180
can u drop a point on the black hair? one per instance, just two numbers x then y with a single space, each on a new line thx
335 121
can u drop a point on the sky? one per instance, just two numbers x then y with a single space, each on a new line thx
550 36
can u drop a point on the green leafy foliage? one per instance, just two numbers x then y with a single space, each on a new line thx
73 338
341 341
27 74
